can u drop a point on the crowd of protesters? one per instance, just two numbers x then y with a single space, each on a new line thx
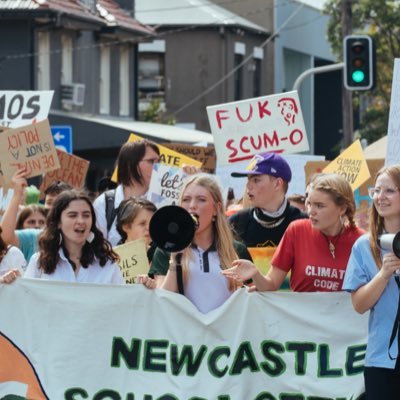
315 239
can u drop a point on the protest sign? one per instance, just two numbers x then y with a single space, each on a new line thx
29 146
244 128
393 136
19 108
73 170
350 164
135 343
206 155
167 156
133 259
165 185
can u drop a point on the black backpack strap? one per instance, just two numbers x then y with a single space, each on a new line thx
111 211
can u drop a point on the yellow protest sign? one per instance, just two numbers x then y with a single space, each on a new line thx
133 259
351 164
167 156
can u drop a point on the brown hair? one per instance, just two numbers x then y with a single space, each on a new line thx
376 222
27 212
129 157
339 190
49 240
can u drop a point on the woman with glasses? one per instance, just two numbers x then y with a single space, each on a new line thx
133 221
372 279
314 250
135 166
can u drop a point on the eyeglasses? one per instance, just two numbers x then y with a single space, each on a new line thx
151 161
384 191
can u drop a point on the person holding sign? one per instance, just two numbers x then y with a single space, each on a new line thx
135 166
133 221
71 248
372 277
212 248
314 250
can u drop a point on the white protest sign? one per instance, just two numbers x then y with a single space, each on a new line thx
244 128
87 341
165 185
393 136
19 108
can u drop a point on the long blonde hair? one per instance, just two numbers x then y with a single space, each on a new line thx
376 222
339 190
223 237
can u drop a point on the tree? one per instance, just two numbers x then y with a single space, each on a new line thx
379 19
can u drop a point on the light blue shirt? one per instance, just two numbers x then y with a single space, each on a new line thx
361 269
28 241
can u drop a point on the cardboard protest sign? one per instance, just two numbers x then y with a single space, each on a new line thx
72 170
165 185
244 128
167 156
19 108
361 197
206 155
133 259
393 136
29 146
351 164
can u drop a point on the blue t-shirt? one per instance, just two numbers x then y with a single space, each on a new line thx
361 269
28 241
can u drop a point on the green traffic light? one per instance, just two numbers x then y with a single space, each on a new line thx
357 76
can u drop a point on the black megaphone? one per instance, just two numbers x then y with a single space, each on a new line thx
390 242
172 228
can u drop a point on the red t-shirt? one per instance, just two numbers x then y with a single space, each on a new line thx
305 252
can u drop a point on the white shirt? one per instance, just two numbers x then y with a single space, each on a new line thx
206 287
101 221
110 273
14 258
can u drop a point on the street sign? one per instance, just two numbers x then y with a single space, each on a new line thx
62 136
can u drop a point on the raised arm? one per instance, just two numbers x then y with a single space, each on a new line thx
244 270
367 295
9 220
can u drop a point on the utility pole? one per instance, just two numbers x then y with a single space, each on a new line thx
347 104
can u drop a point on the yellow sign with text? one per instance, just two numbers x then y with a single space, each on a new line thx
167 156
352 165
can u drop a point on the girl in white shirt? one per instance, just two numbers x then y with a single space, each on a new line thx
11 258
71 248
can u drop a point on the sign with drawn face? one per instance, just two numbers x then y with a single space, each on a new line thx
29 146
19 108
244 128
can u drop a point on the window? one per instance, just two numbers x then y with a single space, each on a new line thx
240 51
43 68
66 60
258 54
105 79
124 81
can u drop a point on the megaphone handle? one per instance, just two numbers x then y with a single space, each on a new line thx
178 259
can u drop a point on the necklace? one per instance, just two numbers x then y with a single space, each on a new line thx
332 242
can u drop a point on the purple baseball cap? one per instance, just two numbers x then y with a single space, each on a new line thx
267 163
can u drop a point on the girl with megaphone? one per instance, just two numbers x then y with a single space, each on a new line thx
371 278
212 249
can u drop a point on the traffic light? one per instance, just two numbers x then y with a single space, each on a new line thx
359 62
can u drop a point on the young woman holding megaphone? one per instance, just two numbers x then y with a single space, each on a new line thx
371 278
211 247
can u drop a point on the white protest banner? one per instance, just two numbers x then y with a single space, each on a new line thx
165 185
86 341
19 108
393 136
244 128
30 146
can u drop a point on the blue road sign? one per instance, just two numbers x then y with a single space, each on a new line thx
62 136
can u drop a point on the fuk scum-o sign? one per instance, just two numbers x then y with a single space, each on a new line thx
270 123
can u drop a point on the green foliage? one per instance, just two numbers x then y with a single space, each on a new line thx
380 20
154 113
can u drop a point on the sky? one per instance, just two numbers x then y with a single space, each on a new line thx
315 3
